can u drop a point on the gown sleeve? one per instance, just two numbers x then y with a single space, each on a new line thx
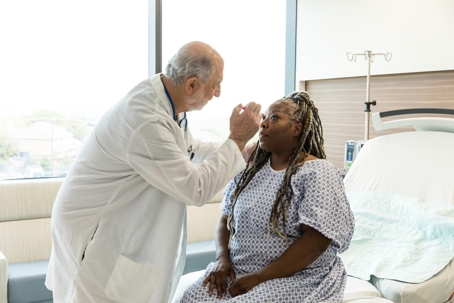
324 204
226 205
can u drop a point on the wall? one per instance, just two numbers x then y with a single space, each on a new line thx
419 34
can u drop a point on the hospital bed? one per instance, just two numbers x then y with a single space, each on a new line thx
401 190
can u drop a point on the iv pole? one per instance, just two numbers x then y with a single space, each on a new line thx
369 56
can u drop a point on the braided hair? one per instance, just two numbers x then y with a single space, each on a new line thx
301 110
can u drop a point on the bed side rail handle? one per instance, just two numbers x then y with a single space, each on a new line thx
419 124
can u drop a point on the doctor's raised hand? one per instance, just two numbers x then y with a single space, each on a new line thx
244 124
118 220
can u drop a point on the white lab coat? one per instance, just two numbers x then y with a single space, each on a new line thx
118 230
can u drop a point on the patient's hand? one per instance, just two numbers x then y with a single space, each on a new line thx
218 277
244 283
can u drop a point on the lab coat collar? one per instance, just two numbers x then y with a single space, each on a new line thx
162 96
159 89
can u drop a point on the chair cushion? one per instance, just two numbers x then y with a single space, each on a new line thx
26 282
199 255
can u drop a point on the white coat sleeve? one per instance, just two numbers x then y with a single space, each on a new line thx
154 154
201 150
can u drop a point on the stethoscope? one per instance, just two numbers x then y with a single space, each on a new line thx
175 116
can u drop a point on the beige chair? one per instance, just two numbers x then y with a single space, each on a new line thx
25 241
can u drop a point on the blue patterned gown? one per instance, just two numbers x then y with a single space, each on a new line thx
318 201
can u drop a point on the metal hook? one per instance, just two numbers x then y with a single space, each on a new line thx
388 56
353 58
369 54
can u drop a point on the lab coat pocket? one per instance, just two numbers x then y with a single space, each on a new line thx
132 282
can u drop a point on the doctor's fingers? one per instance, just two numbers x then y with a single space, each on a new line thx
236 110
253 107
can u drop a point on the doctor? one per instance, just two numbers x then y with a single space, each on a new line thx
118 223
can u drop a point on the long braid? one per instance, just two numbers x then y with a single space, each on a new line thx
258 158
310 142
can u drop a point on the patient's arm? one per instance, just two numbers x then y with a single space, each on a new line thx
298 256
217 278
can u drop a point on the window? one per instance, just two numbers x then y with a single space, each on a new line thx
64 63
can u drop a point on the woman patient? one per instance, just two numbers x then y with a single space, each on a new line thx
284 218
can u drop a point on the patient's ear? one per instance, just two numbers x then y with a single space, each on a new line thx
297 128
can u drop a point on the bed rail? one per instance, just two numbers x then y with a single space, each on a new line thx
420 123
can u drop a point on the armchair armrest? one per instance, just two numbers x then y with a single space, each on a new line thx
3 278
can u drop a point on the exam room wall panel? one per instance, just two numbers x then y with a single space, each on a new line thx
341 103
417 33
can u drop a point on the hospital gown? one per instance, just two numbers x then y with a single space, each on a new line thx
318 201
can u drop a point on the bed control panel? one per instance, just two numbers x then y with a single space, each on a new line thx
352 149
349 155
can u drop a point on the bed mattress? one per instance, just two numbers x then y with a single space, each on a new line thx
435 290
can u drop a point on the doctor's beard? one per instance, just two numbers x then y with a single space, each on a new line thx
197 100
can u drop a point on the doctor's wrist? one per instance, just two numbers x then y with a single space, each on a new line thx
241 143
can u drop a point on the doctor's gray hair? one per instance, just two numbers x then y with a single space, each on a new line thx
187 63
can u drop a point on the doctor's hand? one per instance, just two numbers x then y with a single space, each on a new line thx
244 125
218 278
244 283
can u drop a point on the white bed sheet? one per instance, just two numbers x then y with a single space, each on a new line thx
395 235
415 164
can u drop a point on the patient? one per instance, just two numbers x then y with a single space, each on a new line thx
284 218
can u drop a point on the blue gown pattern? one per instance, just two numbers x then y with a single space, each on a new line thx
319 201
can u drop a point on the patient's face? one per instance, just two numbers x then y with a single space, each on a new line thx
277 133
